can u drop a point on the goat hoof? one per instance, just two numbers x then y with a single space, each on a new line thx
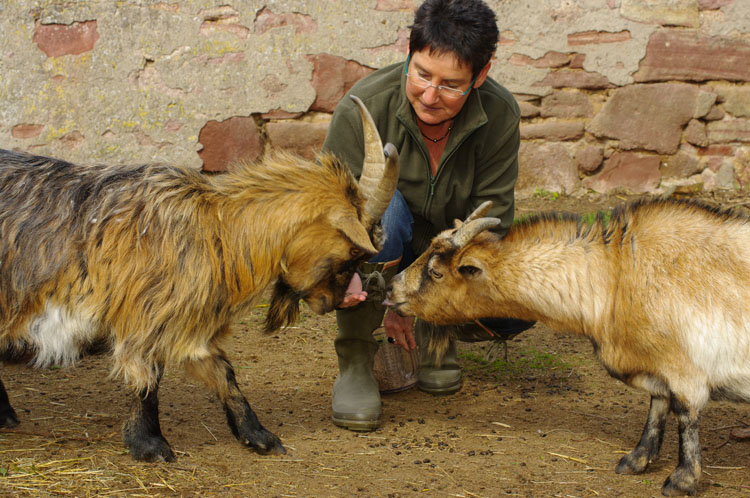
266 443
631 464
8 418
151 450
679 486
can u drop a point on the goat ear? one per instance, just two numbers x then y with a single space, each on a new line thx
471 268
353 229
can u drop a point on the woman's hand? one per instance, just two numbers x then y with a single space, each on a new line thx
354 293
397 327
401 329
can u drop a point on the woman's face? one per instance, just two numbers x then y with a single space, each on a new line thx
440 69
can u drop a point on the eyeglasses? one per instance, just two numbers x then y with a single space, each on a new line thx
445 91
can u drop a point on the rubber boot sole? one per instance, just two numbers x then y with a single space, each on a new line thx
356 425
440 391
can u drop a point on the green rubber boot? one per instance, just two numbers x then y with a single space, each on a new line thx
356 396
444 377
436 377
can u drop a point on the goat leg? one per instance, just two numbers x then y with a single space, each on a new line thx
218 374
648 447
142 432
8 417
684 479
247 428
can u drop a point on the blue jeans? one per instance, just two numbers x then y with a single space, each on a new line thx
397 222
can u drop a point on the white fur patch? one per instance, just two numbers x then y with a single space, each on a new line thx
719 345
58 336
652 385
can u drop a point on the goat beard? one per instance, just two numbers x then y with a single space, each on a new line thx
438 339
284 308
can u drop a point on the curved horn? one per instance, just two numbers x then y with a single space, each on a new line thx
480 211
379 170
471 228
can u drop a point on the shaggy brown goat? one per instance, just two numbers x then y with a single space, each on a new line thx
158 260
662 290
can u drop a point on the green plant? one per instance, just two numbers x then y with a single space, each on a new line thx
546 194
525 360
589 218
522 218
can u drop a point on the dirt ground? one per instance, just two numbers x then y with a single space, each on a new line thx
546 422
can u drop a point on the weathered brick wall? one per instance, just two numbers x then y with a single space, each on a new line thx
643 95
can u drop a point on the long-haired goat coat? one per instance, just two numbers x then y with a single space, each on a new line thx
158 261
662 290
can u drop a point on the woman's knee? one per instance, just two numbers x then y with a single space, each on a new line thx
397 223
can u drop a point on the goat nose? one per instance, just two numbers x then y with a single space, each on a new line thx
388 295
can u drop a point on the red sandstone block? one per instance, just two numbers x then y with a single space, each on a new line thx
266 19
302 138
332 77
688 54
550 59
633 171
716 150
225 142
566 78
597 37
57 40
23 131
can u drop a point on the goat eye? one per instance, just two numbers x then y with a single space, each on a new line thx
469 271
354 252
435 274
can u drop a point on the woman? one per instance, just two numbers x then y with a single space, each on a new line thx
457 132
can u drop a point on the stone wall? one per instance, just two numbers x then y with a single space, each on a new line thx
635 95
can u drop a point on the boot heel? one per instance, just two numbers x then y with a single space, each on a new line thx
436 377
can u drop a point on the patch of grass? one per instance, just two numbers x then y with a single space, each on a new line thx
546 194
589 218
525 361
522 218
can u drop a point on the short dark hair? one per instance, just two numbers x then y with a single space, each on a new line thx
467 28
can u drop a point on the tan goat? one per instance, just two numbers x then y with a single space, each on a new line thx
158 261
662 290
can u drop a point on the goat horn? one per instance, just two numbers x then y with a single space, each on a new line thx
471 228
379 170
480 211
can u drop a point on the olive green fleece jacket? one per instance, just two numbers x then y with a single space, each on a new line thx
479 163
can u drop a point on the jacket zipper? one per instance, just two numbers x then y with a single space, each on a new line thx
434 178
